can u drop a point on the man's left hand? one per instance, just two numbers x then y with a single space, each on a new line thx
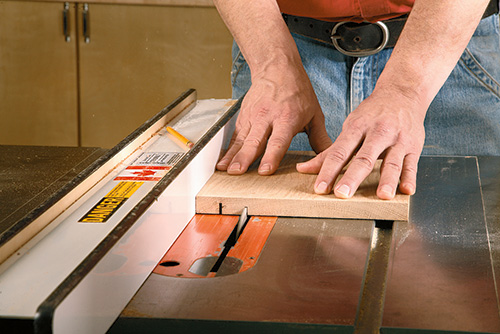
383 126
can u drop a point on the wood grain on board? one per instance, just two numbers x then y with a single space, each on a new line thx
290 193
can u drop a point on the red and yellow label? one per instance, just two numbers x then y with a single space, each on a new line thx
109 204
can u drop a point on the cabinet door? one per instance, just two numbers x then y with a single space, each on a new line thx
38 81
140 58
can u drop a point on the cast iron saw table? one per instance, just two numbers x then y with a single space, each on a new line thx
436 273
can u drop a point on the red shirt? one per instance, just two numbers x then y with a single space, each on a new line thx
346 10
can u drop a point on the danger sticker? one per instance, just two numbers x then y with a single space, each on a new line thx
109 204
143 173
149 166
157 159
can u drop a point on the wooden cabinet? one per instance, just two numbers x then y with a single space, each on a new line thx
38 75
140 58
136 59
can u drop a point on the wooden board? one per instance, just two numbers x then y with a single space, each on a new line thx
290 193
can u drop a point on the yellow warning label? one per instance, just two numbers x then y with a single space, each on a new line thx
124 189
107 206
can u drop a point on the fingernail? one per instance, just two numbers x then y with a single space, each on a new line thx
299 166
409 187
265 168
343 191
235 167
322 188
387 189
222 165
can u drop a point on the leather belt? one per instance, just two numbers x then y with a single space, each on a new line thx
357 39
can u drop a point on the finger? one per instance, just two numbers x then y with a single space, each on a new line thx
336 157
408 183
362 164
235 145
312 166
390 172
253 146
277 145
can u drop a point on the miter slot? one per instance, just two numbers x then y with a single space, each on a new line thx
384 224
230 242
371 303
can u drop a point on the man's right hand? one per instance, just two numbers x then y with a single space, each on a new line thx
280 103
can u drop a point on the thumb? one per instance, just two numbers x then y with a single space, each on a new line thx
318 137
312 166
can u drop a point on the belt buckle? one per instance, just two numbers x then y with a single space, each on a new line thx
385 39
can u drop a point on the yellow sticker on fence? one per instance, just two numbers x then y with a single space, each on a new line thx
109 204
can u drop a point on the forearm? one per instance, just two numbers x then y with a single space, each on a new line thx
429 47
260 33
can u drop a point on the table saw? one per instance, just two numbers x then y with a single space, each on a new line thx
116 245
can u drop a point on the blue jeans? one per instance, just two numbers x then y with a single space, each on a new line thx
463 119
